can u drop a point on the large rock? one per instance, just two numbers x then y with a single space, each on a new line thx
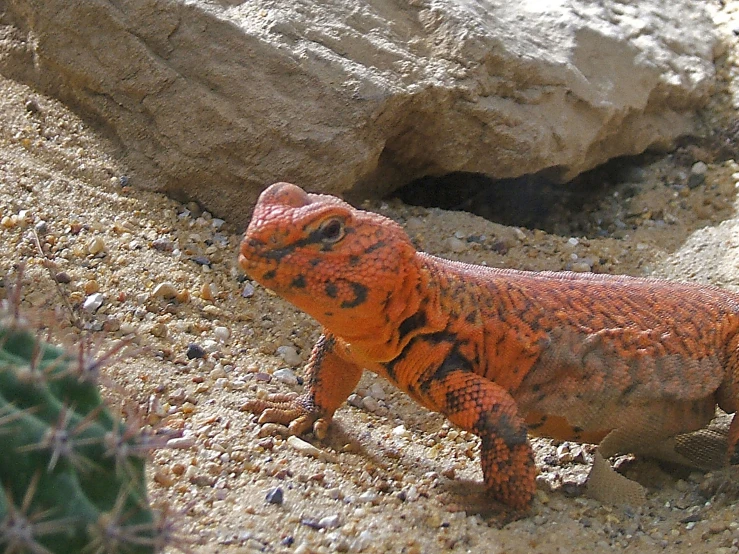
215 99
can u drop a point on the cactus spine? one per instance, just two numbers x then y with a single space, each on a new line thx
72 475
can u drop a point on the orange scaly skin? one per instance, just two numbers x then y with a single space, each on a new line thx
621 361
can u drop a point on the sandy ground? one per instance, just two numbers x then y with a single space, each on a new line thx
385 477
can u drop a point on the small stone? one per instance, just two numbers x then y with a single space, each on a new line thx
354 400
329 522
363 541
581 266
275 496
401 431
202 480
91 286
573 241
210 346
93 302
163 245
455 245
699 168
207 292
201 260
410 494
159 330
286 375
163 478
367 496
370 404
376 391
695 180
248 290
563 453
195 351
289 354
309 522
111 325
164 290
96 246
32 106
63 277
307 449
41 227
182 443
222 333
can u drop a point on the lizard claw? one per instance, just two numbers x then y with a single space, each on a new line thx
291 409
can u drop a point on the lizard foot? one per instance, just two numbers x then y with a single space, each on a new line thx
606 485
295 411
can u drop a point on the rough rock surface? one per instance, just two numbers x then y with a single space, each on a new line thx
215 99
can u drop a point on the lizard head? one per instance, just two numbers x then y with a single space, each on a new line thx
338 264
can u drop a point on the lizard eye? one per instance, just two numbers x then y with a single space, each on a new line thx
331 231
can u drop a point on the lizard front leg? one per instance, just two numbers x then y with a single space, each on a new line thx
330 379
488 410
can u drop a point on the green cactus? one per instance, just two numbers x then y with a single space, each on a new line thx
72 476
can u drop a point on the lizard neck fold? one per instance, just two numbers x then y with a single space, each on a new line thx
379 331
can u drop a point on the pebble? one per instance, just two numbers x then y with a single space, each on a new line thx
210 346
41 227
307 449
699 168
182 443
207 292
91 286
275 496
286 375
222 333
63 277
354 400
289 355
203 480
248 290
410 494
401 431
563 453
163 245
370 404
695 180
367 496
455 245
581 266
96 246
93 302
164 290
376 391
194 351
201 260
329 522
303 447
364 540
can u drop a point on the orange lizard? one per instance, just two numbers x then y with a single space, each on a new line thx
627 363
